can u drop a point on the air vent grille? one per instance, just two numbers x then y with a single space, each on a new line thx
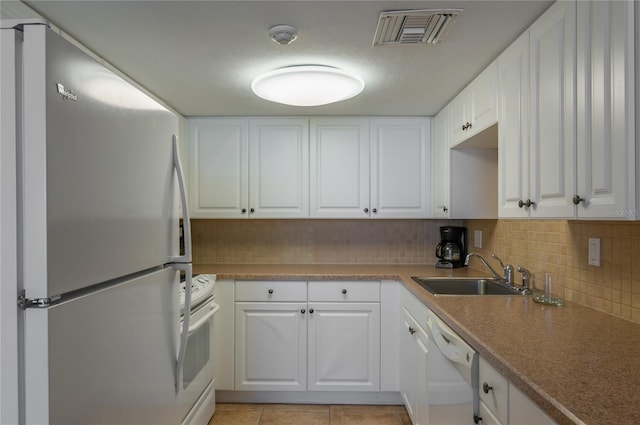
414 26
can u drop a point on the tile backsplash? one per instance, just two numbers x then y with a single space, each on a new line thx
561 248
555 246
316 241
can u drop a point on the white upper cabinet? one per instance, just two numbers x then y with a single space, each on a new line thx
605 117
279 168
475 108
339 167
321 168
440 162
243 167
572 154
513 128
537 118
552 111
400 168
465 171
218 167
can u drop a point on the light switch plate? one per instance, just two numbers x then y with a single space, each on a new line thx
594 252
477 238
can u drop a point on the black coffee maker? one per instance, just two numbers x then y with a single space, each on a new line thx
452 249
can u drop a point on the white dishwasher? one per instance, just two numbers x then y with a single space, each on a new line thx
453 375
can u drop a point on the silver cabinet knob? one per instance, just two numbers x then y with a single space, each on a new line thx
270 291
577 199
486 388
344 291
243 211
366 210
375 210
302 311
310 311
252 210
411 330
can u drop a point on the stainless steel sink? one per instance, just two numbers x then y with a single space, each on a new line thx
463 286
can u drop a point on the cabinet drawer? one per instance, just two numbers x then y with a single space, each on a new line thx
267 290
496 398
353 291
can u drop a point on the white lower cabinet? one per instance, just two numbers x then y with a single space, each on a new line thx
502 403
326 341
271 336
494 393
344 346
344 336
523 411
414 364
271 346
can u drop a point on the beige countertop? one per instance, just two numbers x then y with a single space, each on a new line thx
576 363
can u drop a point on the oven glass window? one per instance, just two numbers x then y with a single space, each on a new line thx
197 353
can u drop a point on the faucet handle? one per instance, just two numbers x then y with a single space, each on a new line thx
526 276
508 269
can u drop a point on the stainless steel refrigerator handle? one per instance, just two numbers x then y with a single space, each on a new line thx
184 334
186 222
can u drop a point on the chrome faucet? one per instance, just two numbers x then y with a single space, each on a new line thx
507 269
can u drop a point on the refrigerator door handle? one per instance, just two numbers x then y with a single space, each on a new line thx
184 333
186 222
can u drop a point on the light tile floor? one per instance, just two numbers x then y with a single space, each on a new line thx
305 414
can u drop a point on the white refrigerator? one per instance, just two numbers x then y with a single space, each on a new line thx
91 190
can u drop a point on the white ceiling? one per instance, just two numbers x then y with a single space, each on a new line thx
201 56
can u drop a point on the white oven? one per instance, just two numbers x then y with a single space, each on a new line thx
198 387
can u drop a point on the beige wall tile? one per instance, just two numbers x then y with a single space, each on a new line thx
557 246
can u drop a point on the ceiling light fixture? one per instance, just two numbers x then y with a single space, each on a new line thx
307 85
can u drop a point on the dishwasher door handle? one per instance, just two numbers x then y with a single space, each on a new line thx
450 344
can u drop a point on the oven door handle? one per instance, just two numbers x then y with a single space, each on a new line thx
185 324
214 309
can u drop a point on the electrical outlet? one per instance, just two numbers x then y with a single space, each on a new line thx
594 252
477 238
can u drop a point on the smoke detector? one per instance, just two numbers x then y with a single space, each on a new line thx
283 34
414 26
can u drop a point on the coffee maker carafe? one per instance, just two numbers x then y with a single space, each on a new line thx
452 248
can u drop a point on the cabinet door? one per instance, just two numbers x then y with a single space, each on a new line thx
552 112
421 376
344 346
459 117
400 168
483 100
414 369
408 362
523 411
279 173
440 163
271 346
339 169
513 129
218 167
494 391
606 138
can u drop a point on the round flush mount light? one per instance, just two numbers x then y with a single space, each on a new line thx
307 85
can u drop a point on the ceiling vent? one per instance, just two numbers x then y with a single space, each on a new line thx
414 26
